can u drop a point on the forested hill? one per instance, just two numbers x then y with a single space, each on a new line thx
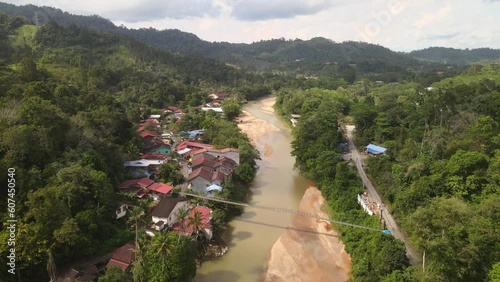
311 57
457 56
69 99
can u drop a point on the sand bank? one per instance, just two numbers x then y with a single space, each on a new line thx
309 250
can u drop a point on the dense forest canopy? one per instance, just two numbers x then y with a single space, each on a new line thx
440 176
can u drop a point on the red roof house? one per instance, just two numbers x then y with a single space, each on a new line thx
123 257
161 188
151 122
154 156
218 163
144 182
148 133
192 145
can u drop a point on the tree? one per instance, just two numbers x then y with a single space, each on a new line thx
135 216
164 260
245 172
440 229
231 108
170 172
196 221
182 216
494 274
114 274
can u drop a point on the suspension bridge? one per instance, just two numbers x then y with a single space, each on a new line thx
285 210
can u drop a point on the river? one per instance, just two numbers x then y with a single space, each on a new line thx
252 235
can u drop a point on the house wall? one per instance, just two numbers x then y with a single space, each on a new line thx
172 219
200 184
163 150
121 211
208 233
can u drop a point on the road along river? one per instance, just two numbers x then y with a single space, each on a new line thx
271 246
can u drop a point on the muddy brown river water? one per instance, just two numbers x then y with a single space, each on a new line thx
251 236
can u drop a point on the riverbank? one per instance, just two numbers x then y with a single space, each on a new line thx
309 250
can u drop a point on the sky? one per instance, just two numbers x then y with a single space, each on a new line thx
401 25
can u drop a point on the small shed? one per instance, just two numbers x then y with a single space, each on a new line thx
374 149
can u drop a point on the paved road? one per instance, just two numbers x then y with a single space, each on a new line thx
373 194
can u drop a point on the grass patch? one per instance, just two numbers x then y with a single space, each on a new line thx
25 35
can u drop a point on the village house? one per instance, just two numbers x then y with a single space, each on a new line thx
201 178
123 257
159 190
192 145
143 167
295 119
154 156
143 124
165 213
230 153
171 109
146 187
137 186
121 211
218 97
217 110
149 136
210 162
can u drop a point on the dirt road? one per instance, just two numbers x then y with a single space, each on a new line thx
373 194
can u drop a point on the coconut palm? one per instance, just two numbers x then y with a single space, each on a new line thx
163 244
196 222
182 215
136 215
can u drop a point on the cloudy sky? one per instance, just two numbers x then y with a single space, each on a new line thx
401 25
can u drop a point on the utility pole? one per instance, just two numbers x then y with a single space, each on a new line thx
441 122
423 262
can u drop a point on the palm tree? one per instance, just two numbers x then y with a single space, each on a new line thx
196 222
164 244
136 215
139 271
182 215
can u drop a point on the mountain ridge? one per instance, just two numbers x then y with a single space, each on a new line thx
316 56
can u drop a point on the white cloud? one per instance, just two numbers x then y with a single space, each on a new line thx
402 25
257 10
433 17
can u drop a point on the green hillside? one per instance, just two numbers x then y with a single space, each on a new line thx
318 56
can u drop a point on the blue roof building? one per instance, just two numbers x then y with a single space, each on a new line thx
374 149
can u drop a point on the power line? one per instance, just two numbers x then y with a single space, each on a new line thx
286 210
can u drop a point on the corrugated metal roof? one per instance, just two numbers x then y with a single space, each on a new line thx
374 149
